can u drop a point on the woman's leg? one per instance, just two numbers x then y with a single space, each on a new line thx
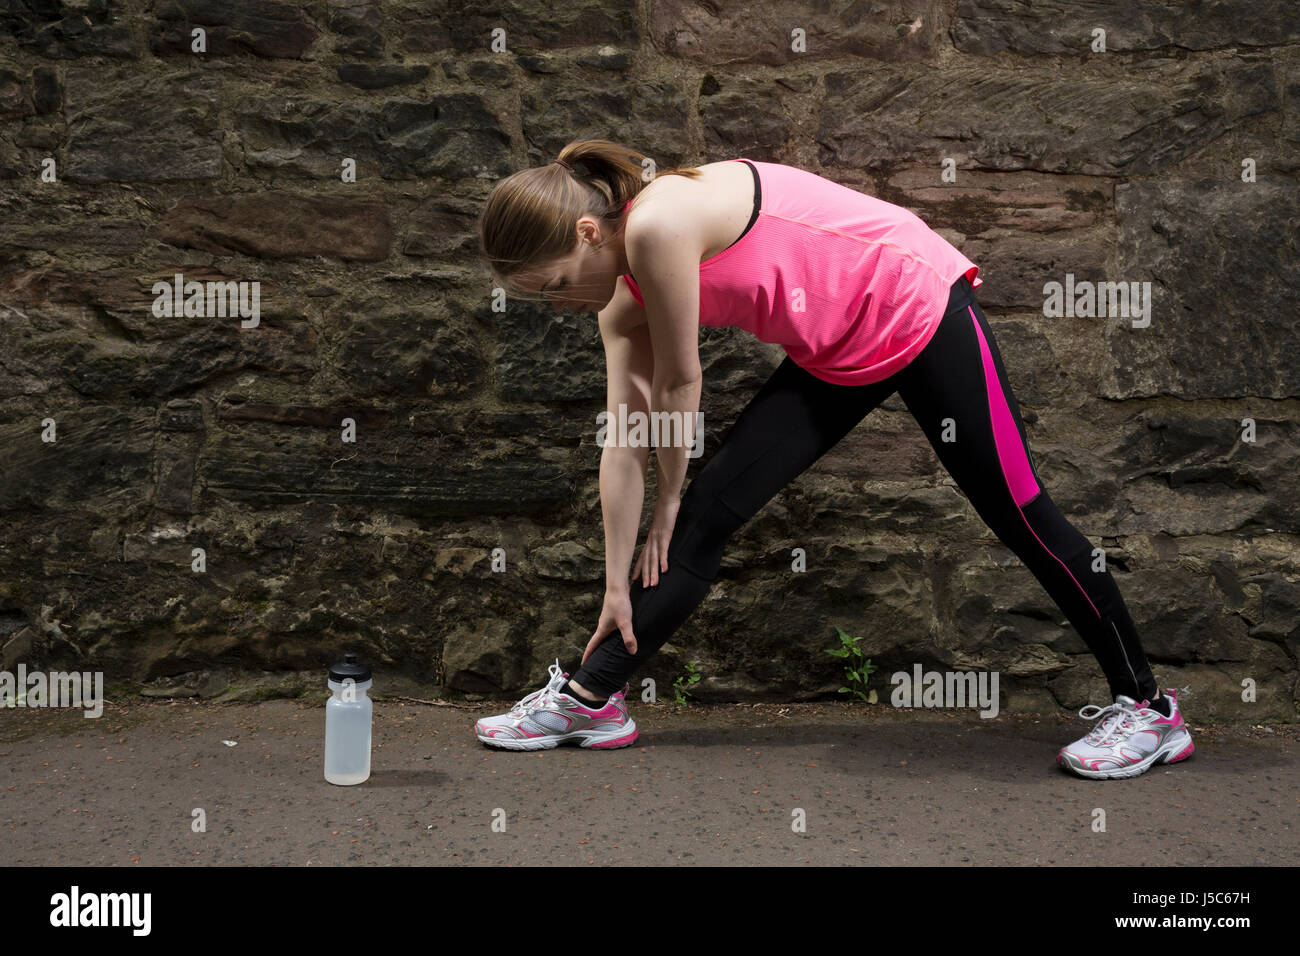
793 420
957 384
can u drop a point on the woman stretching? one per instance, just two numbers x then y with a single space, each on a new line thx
866 301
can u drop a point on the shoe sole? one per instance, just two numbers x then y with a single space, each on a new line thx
626 737
1179 747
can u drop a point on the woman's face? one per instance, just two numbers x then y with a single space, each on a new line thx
584 280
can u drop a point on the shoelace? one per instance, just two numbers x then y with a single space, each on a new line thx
1117 719
541 699
1125 725
519 709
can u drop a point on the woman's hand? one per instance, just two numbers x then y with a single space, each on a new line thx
654 553
616 613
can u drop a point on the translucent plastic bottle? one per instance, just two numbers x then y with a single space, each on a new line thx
347 723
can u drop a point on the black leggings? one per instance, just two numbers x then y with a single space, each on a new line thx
795 418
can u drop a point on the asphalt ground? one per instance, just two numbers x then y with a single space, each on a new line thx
723 785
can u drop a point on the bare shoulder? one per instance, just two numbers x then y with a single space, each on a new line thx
688 216
673 206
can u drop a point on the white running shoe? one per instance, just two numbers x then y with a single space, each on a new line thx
1129 739
547 718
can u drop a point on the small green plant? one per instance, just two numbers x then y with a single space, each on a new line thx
12 702
690 678
857 670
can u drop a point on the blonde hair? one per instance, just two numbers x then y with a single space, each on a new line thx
531 216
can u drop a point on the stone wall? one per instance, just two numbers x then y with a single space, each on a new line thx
126 157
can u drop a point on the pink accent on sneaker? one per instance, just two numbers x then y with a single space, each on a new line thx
1183 754
1094 763
502 732
606 711
620 742
1173 720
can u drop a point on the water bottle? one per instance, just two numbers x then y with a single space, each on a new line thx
347 723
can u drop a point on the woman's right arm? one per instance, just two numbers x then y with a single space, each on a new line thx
629 365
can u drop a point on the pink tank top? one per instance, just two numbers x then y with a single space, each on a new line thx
852 287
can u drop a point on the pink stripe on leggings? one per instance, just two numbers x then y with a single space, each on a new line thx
1011 450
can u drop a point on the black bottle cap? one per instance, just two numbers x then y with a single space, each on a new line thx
350 668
